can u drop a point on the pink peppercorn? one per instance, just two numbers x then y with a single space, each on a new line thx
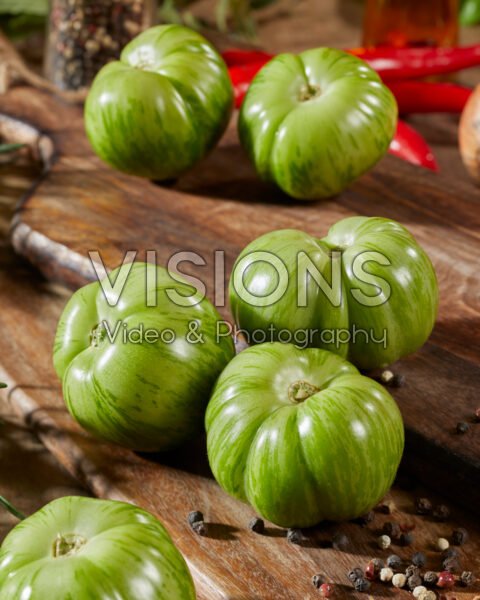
326 590
445 580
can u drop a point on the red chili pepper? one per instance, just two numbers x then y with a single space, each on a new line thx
241 77
237 56
393 64
428 97
410 145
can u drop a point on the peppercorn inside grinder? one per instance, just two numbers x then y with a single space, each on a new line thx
84 35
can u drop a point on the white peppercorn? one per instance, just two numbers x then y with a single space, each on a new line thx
386 574
384 542
420 589
399 580
442 544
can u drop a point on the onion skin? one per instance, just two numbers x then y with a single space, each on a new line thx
469 135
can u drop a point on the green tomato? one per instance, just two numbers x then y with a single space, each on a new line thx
366 291
301 435
314 122
87 549
137 367
162 106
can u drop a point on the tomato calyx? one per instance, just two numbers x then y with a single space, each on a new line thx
309 92
97 335
299 391
67 545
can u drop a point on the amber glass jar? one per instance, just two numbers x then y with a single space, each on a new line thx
83 35
411 23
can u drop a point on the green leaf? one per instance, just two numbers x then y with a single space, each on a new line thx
3 385
9 148
470 12
30 7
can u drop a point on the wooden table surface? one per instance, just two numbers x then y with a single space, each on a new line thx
329 27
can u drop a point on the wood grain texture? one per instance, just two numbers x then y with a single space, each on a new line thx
81 205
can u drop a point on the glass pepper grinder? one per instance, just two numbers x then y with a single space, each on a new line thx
83 35
411 23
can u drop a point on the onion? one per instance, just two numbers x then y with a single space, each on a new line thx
469 135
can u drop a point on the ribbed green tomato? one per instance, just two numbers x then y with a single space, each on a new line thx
86 549
162 106
137 368
301 435
314 122
379 297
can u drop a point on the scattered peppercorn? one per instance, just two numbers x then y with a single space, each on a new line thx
194 517
257 525
362 584
430 578
326 590
420 589
370 571
452 565
419 559
459 536
394 561
413 582
477 415
318 580
412 570
399 580
355 574
384 542
364 520
423 506
378 564
199 528
294 536
427 595
441 512
398 380
386 376
407 525
450 553
462 428
340 541
445 580
387 507
392 529
467 578
406 539
442 544
386 574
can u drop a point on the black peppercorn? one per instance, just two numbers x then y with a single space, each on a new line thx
364 520
398 380
441 512
414 581
318 580
340 541
423 506
294 536
419 559
467 578
194 517
200 528
452 565
362 584
392 529
378 564
430 578
406 539
450 553
412 570
257 525
394 561
459 536
462 428
355 574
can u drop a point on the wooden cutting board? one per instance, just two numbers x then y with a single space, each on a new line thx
81 205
